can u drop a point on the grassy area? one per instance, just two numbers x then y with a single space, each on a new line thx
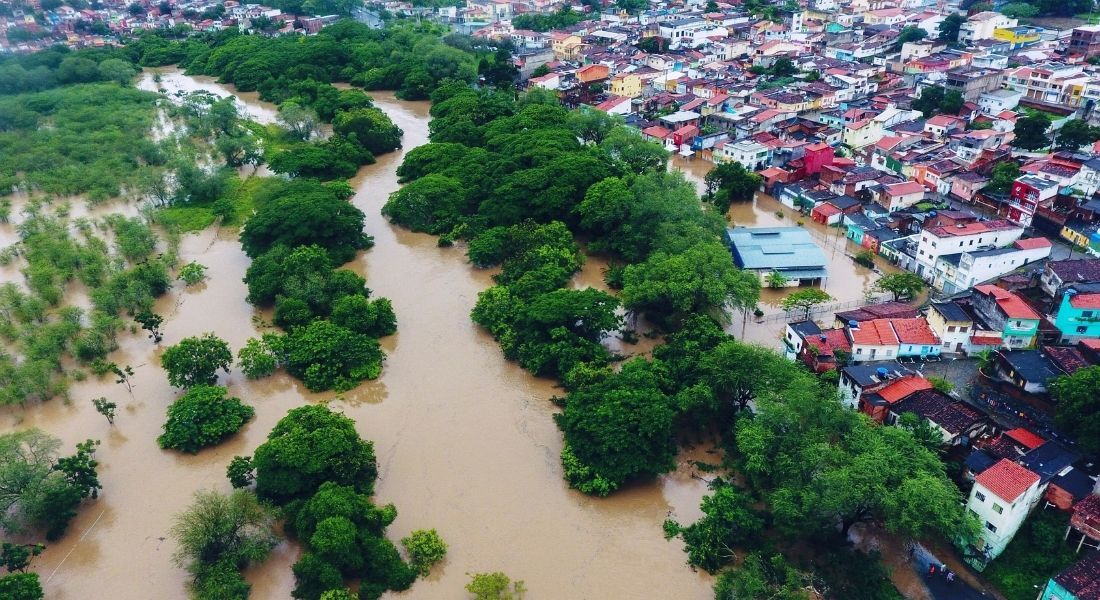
235 206
1034 112
1036 554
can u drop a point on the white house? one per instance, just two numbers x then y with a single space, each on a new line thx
1002 497
754 156
954 239
896 196
957 272
997 101
982 25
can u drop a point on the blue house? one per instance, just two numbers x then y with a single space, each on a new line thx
1078 315
1079 581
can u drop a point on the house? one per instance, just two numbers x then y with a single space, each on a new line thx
873 340
1001 499
1028 370
956 422
896 196
980 235
857 380
752 155
1029 192
788 251
1057 275
877 403
915 338
628 85
1079 581
615 105
832 211
825 350
954 273
1086 521
982 26
1085 41
1006 312
1078 315
952 324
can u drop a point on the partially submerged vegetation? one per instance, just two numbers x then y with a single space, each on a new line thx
809 470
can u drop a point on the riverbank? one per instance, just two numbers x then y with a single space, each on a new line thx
465 440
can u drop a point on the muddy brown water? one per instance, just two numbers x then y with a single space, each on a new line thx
465 440
847 282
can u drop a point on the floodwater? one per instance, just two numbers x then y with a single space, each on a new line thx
848 282
465 440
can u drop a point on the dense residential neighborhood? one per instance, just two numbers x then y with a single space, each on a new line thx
950 150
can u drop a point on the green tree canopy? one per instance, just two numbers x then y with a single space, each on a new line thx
1031 131
309 446
195 360
903 285
303 213
202 417
1078 408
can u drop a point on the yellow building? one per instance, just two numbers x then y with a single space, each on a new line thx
1075 237
565 45
1017 36
628 86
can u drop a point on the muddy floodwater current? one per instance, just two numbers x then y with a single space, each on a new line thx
465 440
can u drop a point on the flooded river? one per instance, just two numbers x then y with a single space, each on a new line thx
465 440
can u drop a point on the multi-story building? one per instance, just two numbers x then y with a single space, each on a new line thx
982 25
957 272
1085 41
1028 194
1006 312
938 241
972 83
1078 314
1002 497
951 323
754 156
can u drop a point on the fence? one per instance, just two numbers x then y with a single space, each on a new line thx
798 315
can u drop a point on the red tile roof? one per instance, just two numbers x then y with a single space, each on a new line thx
904 189
834 340
1012 305
875 333
828 210
1025 437
903 387
972 228
914 331
985 340
1007 480
1033 243
1085 301
656 131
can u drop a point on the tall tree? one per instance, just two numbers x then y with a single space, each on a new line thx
1078 408
903 285
1031 132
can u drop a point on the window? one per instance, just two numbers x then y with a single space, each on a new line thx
991 527
980 496
859 350
997 508
1086 314
963 329
1082 329
951 328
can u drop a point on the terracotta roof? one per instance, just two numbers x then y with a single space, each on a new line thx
951 415
903 387
914 331
985 340
972 228
1012 305
827 210
875 333
1025 437
1007 480
1085 301
656 131
834 340
1032 243
1082 579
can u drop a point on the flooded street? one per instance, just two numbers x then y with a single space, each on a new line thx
465 440
847 282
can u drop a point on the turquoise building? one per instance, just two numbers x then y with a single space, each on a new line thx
1078 315
1080 581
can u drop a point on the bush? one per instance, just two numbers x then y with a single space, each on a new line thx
261 356
425 548
203 417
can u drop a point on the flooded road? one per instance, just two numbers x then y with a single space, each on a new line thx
848 282
465 440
